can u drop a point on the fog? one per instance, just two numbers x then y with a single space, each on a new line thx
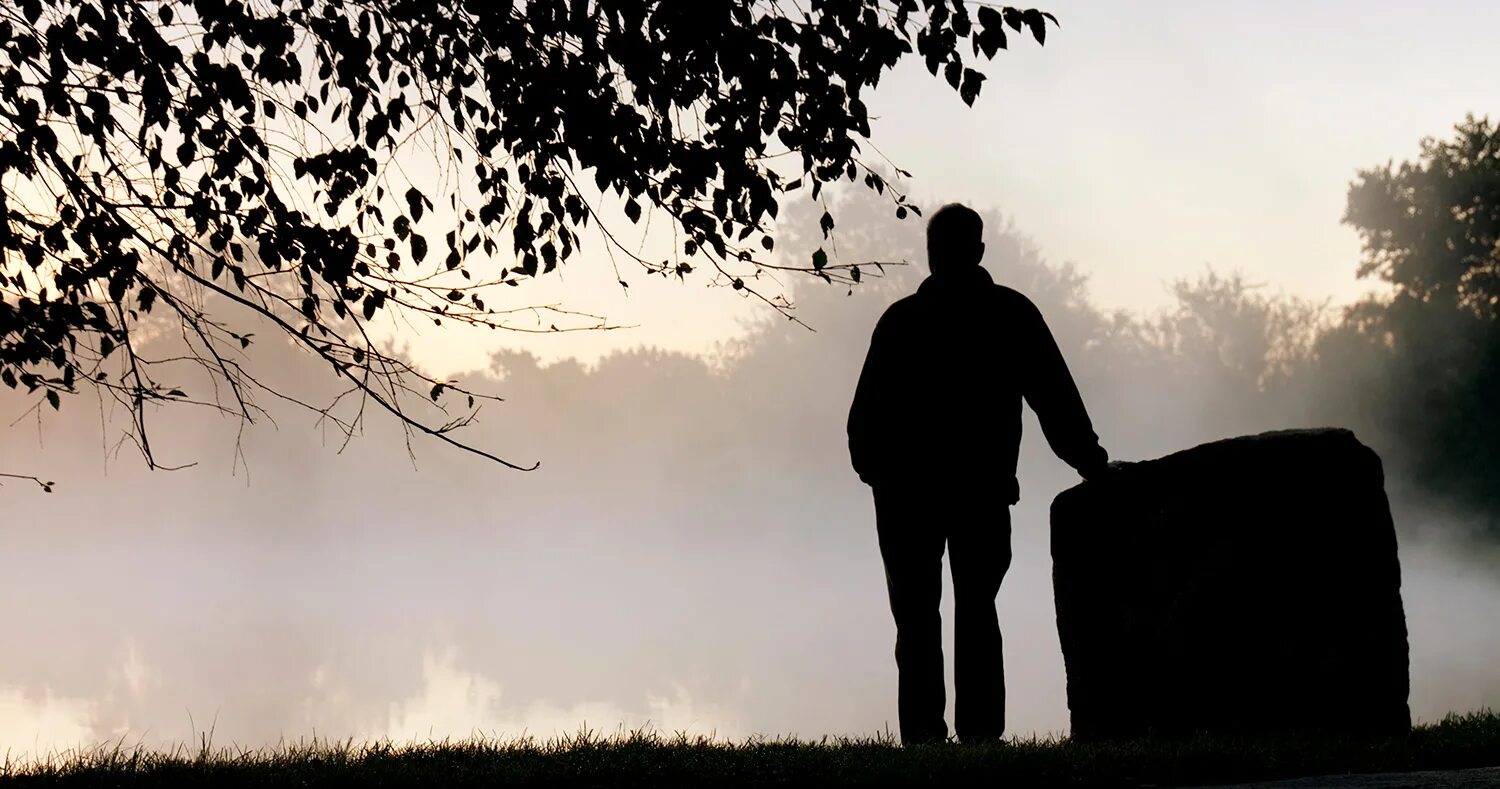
694 553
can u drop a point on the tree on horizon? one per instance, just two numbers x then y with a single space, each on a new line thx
1430 228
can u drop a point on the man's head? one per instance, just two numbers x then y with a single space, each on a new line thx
953 238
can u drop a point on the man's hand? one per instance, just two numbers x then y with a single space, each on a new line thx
1104 470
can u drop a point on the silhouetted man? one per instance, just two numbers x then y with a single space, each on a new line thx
935 430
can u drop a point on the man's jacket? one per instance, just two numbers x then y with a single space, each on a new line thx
940 394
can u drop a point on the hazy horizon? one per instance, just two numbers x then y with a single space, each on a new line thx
694 552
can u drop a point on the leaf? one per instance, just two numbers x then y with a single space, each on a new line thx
549 257
633 210
970 90
819 259
826 223
418 247
375 130
437 391
46 139
1037 23
54 399
991 36
414 202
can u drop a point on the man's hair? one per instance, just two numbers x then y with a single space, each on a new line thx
953 236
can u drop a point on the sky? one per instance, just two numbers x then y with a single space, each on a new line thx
1148 140
694 552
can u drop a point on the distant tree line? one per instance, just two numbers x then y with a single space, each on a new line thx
1414 369
1425 361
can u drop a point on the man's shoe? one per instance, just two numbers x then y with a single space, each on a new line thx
988 739
933 739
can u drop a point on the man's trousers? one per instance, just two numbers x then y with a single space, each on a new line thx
915 524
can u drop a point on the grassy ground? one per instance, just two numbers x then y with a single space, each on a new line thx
652 760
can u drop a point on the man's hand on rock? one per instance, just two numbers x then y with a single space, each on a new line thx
1104 471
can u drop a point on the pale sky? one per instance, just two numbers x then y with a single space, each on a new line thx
1145 142
1149 139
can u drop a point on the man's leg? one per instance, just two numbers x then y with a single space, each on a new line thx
911 546
979 556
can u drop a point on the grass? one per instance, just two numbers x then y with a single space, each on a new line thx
649 759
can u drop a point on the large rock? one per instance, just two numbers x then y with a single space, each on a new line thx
1245 585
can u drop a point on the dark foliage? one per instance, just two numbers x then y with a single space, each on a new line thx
203 158
1431 228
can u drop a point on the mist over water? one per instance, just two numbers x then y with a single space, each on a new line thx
694 553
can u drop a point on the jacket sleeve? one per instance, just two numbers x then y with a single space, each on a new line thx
1050 391
869 408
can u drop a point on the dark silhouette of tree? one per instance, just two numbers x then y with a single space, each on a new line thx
178 166
1225 334
1431 228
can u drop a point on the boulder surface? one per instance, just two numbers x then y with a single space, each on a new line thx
1247 585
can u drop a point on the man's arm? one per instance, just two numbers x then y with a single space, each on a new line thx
868 409
1050 391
